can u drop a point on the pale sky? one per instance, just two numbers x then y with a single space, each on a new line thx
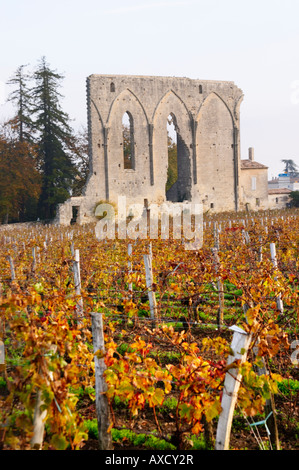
254 43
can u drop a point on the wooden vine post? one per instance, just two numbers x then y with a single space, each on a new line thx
2 353
12 268
239 347
149 284
274 262
220 288
40 414
102 405
38 423
130 266
77 282
33 267
260 250
216 236
270 403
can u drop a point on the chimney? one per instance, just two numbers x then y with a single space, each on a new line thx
251 154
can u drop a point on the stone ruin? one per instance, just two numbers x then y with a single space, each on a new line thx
206 119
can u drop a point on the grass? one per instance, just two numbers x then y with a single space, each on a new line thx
126 435
288 387
148 441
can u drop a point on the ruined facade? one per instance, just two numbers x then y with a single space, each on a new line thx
206 116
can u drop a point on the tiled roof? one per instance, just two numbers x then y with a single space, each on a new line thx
279 191
251 164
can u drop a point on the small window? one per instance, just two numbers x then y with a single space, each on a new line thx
276 200
212 205
112 87
75 214
253 183
200 89
257 201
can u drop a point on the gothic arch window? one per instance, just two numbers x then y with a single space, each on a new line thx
128 141
172 169
178 184
112 87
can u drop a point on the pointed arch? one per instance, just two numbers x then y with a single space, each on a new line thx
128 157
172 105
237 107
207 100
216 156
170 94
125 96
98 112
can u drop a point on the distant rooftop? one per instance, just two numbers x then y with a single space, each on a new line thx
279 191
249 164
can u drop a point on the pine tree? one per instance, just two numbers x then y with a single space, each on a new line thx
80 151
21 99
54 139
290 167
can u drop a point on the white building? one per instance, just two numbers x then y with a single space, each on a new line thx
284 181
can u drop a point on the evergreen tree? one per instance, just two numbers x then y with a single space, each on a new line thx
21 99
290 167
81 155
54 140
295 198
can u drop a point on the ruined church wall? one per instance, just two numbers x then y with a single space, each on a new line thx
171 104
216 163
207 118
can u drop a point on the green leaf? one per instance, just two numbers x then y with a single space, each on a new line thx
59 442
158 397
186 411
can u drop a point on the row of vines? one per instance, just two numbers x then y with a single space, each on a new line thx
167 344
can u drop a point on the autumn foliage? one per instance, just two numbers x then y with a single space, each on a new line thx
20 181
182 355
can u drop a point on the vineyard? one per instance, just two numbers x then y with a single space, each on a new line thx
165 374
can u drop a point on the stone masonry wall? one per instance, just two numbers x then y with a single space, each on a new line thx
207 119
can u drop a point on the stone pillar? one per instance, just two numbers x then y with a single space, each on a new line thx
194 148
236 166
150 134
106 131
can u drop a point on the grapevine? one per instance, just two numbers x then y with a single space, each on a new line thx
181 356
